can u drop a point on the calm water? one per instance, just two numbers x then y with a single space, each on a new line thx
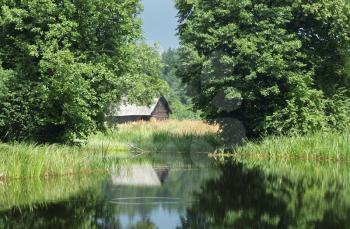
178 193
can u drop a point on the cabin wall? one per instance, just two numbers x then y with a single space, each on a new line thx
126 119
161 112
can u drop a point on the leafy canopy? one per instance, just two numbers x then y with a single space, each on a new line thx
280 67
181 104
63 62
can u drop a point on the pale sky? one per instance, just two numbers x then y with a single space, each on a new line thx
160 22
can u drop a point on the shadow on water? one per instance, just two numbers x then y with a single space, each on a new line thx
231 194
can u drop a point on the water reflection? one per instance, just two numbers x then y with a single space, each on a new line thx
139 175
273 195
241 193
135 196
162 205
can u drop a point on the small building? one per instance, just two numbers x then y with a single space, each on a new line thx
139 175
126 112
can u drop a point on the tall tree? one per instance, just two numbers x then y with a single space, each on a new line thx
280 67
63 63
180 102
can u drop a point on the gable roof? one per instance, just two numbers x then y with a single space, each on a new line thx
139 175
127 109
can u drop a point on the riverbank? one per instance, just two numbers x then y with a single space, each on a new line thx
23 160
168 136
324 146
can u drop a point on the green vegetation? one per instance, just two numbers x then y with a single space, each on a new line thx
318 146
180 103
21 160
62 63
32 161
238 192
260 68
159 137
280 67
275 72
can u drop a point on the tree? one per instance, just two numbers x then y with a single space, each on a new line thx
280 67
63 63
180 103
146 74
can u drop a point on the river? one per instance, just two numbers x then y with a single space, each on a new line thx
185 191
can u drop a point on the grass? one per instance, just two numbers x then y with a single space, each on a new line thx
22 160
167 136
319 146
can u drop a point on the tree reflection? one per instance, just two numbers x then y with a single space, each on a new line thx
94 205
245 194
256 198
72 213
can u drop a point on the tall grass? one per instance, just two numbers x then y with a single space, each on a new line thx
167 136
22 160
318 146
173 126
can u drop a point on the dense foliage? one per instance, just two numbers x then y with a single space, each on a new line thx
280 67
63 62
180 102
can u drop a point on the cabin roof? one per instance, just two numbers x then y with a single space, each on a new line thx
128 109
139 175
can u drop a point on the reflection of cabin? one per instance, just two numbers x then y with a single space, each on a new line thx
140 175
126 112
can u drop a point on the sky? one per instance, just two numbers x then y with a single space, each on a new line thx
160 22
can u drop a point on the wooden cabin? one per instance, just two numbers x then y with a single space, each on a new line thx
126 112
139 175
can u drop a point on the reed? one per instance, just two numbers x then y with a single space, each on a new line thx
22 160
26 160
323 146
